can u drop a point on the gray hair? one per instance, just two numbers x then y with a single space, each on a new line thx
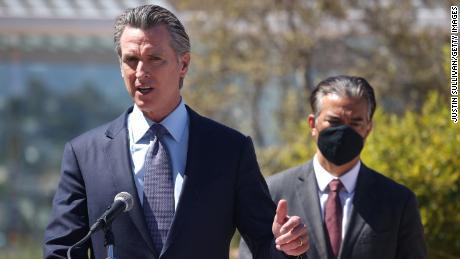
147 16
343 86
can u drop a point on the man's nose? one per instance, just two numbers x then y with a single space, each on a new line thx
141 71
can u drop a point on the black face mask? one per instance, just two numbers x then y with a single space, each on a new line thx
340 144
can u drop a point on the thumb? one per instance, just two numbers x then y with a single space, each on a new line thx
281 212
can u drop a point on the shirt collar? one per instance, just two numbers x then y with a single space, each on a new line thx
323 177
175 122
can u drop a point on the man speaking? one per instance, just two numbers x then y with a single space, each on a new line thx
194 181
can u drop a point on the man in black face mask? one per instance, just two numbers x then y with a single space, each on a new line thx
351 211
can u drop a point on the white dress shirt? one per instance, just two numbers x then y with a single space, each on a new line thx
347 193
177 123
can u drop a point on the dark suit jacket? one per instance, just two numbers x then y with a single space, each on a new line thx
385 222
223 189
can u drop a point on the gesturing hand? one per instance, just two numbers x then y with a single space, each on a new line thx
289 231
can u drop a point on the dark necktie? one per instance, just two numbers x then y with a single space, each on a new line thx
158 188
333 216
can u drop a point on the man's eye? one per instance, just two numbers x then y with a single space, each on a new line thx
334 122
129 59
155 58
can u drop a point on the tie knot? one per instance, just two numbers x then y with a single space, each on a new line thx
335 185
158 130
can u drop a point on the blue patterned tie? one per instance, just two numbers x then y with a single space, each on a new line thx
158 188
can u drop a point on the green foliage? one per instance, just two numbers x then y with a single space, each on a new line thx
419 150
245 50
299 148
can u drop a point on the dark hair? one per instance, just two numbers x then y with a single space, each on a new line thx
343 86
147 16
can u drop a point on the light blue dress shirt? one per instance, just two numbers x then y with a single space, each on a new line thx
177 123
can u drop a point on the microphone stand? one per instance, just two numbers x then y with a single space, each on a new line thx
123 202
109 241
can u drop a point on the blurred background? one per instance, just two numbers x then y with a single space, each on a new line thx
254 64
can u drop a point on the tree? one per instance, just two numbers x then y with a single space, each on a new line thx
244 51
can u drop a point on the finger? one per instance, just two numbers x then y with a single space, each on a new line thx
297 247
290 224
281 212
299 250
292 236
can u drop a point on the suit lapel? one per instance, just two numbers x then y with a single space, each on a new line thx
307 193
117 151
189 195
362 209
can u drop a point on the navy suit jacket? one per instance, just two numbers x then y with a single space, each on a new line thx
223 190
385 223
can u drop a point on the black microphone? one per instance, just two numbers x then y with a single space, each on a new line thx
122 202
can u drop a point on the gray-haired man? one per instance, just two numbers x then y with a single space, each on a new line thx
194 181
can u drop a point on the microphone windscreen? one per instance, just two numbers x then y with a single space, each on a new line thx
126 198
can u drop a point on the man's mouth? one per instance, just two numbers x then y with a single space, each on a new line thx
144 89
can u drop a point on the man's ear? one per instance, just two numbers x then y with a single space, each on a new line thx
312 124
185 62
